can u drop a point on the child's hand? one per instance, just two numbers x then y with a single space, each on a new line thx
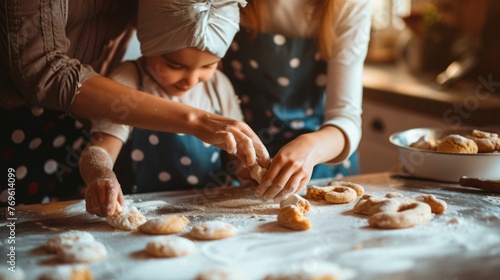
102 196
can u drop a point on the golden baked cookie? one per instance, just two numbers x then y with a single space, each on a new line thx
425 142
455 143
291 217
165 225
82 252
302 204
483 134
212 230
126 218
66 239
170 246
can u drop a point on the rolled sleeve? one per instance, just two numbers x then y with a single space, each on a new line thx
36 45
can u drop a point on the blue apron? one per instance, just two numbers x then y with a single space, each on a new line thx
281 83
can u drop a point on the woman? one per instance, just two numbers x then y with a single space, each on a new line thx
54 55
297 67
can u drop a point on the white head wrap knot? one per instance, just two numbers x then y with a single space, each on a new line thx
168 25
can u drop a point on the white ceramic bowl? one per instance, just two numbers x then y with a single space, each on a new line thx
448 167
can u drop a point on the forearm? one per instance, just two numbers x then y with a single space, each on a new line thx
327 144
102 98
96 164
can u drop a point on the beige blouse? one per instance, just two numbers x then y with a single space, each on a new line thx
49 48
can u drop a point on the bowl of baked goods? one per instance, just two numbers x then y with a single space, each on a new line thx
447 154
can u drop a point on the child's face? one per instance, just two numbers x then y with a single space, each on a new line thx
177 72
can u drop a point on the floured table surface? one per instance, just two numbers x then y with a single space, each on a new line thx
463 243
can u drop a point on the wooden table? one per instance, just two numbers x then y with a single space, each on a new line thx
463 243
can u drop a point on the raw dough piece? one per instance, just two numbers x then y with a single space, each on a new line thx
165 225
357 187
170 246
317 192
126 218
302 276
66 239
438 206
257 173
68 272
291 217
340 195
215 274
455 143
302 204
400 213
213 230
82 251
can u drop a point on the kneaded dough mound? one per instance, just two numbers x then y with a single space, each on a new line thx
455 143
67 239
257 173
302 204
317 193
212 230
126 218
170 246
291 217
83 252
165 225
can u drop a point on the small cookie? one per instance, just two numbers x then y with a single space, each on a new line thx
212 230
126 218
82 252
425 143
68 272
487 145
291 217
340 195
66 239
165 225
483 134
455 143
257 173
357 187
170 246
296 200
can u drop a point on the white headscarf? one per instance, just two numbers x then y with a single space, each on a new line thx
168 25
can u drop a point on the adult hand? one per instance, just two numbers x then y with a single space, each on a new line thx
102 196
233 136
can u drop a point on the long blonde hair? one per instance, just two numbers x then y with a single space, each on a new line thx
253 18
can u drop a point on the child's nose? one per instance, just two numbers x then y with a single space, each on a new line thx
191 78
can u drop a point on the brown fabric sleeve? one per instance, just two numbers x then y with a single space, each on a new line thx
34 48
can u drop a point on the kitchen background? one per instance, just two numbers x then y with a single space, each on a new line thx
431 63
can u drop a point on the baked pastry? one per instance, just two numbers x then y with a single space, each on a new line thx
212 230
455 143
425 143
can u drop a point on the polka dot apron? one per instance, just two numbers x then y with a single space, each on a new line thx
281 83
172 161
43 147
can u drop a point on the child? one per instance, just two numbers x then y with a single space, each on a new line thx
297 66
182 42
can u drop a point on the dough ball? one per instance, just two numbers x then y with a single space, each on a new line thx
165 225
170 246
212 230
425 143
83 252
66 239
68 272
126 218
296 200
